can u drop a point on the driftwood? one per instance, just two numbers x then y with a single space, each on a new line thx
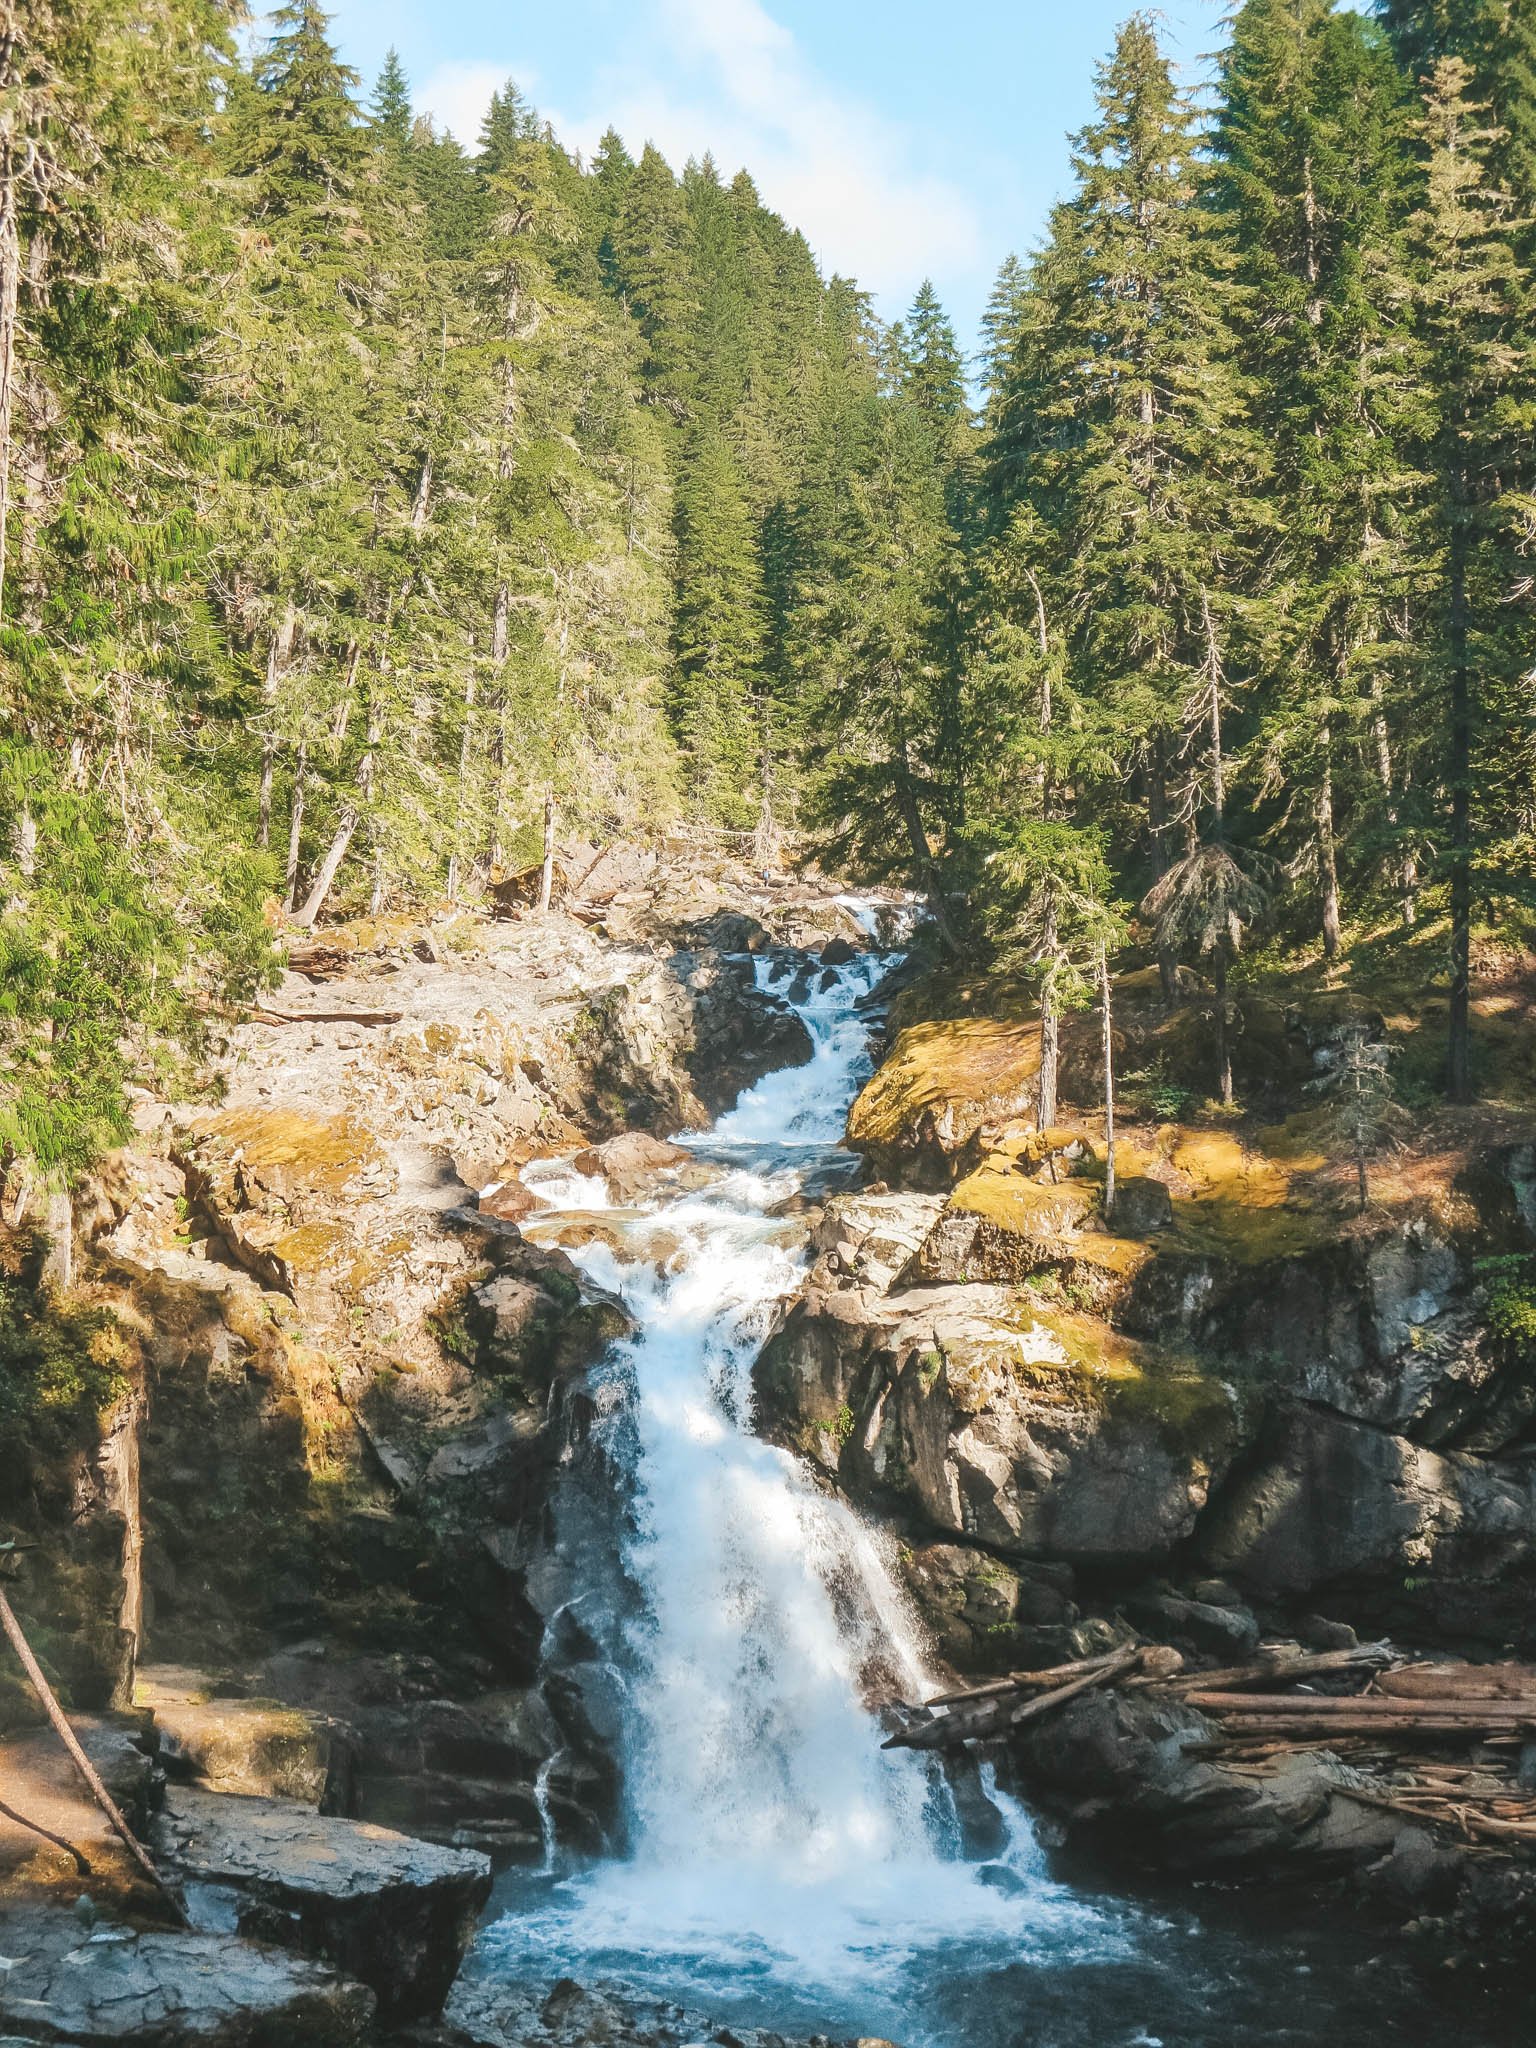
14 1636
267 1015
1363 1657
1014 1681
993 1714
1315 1706
1460 1682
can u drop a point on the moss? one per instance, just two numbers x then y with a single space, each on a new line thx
313 1247
1039 1212
323 1153
972 1067
63 1366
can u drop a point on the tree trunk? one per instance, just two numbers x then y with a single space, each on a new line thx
279 652
77 1756
10 300
1157 826
496 747
325 875
1223 1042
295 831
1327 855
547 877
1459 1050
1050 1050
922 852
1109 1085
460 827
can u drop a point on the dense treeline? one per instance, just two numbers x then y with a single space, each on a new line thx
371 509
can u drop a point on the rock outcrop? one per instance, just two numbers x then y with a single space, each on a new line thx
116 1987
394 1913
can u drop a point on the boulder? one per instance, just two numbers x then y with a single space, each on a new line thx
985 1419
393 1912
983 1614
631 1162
838 952
940 1083
116 1988
246 1745
1142 1205
1329 1500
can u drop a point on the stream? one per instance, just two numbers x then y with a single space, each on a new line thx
730 1623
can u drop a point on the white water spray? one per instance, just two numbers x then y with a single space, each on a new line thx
773 1841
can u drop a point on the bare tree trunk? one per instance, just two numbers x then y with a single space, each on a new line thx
77 1756
423 500
496 748
10 290
279 653
1327 854
1458 1076
466 748
295 830
1223 1042
1109 1085
336 852
1050 1023
547 878
1157 825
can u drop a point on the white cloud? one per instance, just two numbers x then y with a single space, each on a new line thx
725 76
457 95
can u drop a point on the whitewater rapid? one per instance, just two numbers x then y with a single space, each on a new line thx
776 1854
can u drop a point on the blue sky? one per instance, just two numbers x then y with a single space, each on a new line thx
906 138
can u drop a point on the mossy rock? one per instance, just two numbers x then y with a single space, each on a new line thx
941 1082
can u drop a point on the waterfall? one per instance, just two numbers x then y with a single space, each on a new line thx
776 1853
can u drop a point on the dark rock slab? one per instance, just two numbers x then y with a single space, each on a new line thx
394 1912
170 1990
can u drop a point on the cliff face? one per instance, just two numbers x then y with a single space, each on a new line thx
1237 1380
312 1460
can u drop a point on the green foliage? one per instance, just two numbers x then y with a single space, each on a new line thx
1510 1282
61 1366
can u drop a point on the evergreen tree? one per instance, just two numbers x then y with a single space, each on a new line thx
1310 145
720 633
390 110
1478 369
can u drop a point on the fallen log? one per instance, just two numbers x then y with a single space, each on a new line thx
59 1722
1459 1682
992 1716
1012 1681
1314 1704
1364 1657
267 1015
1326 1726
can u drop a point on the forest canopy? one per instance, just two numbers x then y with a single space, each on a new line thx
367 500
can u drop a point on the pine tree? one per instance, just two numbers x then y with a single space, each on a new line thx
390 110
1124 453
1474 319
720 633
651 243
1310 145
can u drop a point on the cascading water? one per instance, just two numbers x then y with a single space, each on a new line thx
775 1852
728 1624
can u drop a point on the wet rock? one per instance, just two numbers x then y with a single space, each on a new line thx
487 2012
631 1162
393 1912
511 1202
838 952
116 1987
1228 1631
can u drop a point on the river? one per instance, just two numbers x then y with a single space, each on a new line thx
779 1868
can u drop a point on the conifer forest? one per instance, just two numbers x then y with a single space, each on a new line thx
363 495
767 1073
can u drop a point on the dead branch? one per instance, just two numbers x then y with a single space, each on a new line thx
77 1756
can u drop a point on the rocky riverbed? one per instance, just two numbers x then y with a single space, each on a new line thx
302 1567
